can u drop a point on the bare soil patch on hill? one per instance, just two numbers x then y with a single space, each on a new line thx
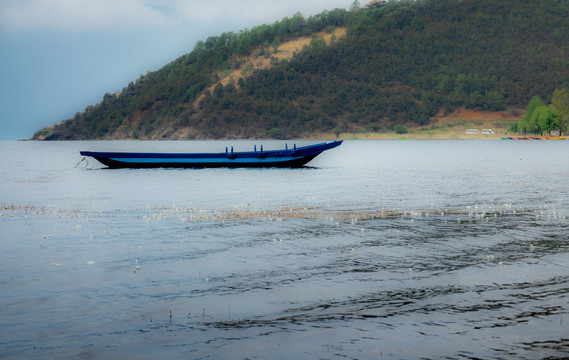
286 50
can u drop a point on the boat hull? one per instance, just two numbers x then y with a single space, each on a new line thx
292 158
116 163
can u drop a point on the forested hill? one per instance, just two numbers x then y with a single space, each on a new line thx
402 62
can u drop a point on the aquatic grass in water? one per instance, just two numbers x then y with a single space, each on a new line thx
242 212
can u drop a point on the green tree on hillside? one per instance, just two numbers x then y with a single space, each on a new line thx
544 119
355 5
526 124
494 100
534 103
560 102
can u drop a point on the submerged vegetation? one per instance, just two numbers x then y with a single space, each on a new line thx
476 213
405 61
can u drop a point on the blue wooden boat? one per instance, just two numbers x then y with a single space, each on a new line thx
293 157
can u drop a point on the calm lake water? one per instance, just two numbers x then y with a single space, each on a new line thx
379 249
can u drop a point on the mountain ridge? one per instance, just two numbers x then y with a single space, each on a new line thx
406 63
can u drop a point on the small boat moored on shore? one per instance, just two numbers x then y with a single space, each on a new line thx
535 138
294 157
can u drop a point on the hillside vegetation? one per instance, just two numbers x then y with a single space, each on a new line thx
365 70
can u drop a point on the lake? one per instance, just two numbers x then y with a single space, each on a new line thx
377 249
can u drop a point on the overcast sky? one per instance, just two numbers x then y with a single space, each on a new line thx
58 56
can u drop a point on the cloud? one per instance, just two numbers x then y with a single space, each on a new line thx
101 15
244 10
252 10
81 15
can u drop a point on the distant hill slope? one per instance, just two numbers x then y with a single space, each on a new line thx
406 62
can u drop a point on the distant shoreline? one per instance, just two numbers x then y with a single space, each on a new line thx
444 127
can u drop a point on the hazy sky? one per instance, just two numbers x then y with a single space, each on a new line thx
58 56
